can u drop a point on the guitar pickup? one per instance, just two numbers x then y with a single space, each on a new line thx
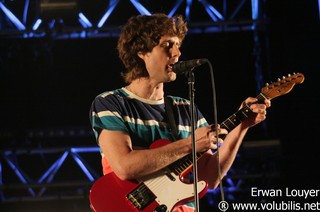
141 196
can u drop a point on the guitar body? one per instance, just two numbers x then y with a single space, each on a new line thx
109 194
160 192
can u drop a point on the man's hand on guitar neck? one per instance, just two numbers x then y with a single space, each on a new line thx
259 111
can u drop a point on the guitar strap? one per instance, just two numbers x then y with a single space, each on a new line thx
172 124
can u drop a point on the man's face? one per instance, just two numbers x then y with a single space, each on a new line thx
160 60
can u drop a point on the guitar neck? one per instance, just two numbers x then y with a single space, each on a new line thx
235 119
230 123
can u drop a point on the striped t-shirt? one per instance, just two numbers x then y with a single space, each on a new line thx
144 120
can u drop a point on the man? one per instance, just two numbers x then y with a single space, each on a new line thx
126 121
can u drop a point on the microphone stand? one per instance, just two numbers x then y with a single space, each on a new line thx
191 81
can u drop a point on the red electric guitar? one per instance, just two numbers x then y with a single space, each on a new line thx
163 190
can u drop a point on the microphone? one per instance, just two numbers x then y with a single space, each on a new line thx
184 66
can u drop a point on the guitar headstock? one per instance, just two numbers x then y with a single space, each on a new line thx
282 86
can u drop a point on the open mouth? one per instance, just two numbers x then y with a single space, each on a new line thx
170 67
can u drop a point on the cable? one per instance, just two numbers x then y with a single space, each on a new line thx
215 114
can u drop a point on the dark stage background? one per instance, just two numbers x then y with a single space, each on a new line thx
48 84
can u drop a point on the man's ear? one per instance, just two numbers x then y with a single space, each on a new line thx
141 55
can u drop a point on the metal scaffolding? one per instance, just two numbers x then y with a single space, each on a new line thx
43 171
77 19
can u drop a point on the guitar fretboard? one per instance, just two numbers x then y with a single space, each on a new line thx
230 123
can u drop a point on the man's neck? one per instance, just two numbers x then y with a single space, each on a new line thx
146 90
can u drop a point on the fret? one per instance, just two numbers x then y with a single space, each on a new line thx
184 163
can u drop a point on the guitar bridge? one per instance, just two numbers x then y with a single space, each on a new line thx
141 196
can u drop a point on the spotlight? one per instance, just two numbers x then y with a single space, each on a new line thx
63 12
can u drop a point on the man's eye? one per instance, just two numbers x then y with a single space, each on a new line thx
170 45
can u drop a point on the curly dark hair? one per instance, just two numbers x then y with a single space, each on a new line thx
141 34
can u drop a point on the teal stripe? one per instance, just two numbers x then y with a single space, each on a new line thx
113 123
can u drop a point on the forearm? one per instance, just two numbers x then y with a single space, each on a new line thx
227 155
140 162
230 147
144 162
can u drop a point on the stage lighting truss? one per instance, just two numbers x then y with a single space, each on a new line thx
76 18
49 184
48 167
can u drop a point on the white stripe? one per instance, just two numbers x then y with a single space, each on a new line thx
130 120
147 101
144 122
201 121
107 113
106 94
181 102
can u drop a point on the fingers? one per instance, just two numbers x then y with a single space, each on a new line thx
213 136
260 109
267 102
214 127
217 128
251 100
216 141
207 138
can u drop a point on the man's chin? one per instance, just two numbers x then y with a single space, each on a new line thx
172 76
